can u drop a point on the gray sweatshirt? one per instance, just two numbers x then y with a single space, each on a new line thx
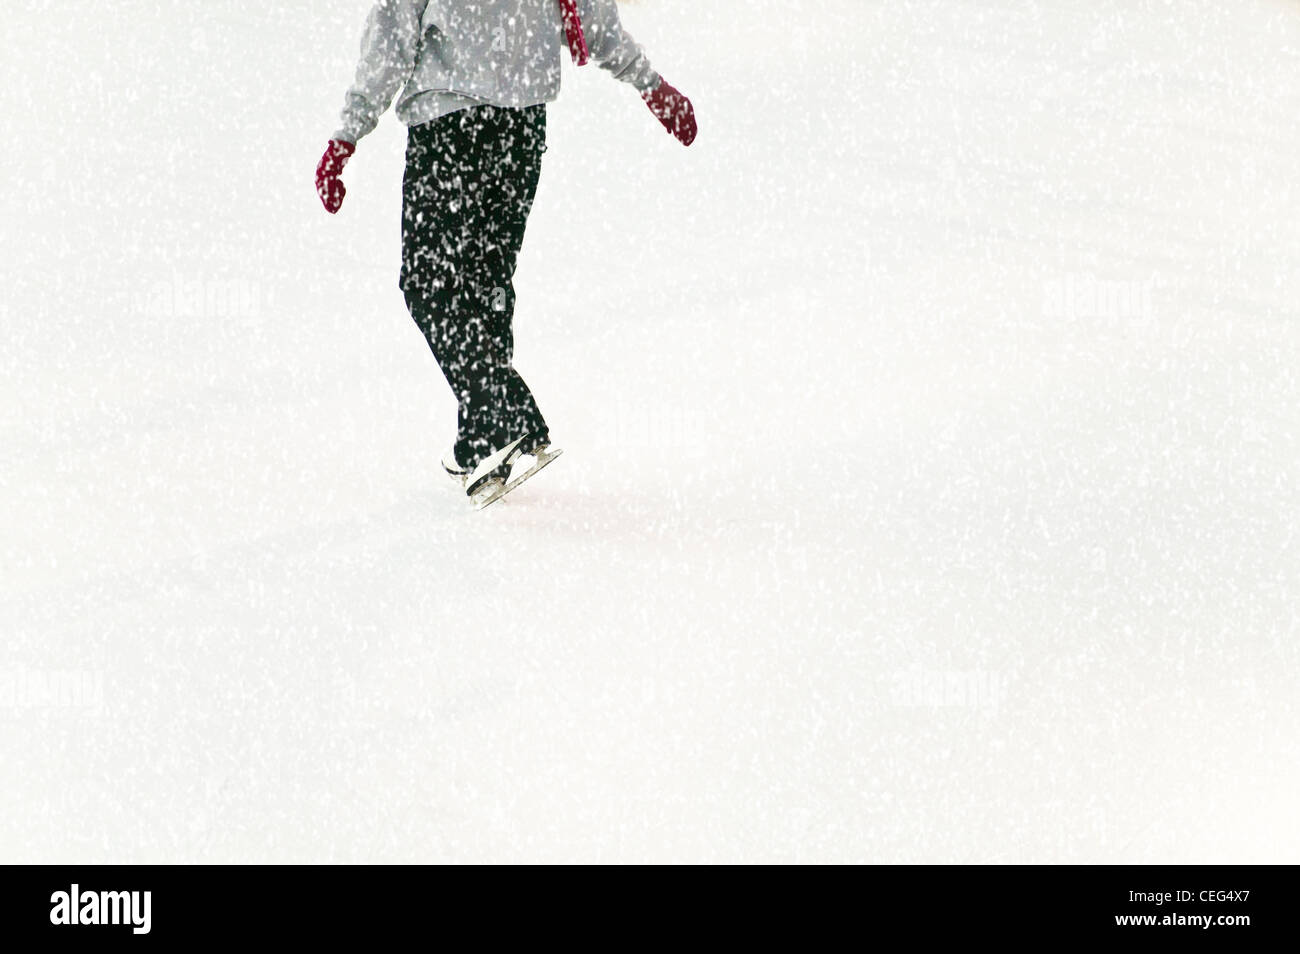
445 55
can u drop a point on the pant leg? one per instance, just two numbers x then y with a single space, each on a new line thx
518 141
469 186
440 246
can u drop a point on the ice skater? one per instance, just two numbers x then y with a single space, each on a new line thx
475 77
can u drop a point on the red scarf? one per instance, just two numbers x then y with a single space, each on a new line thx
573 30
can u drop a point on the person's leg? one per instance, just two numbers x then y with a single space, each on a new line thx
441 244
506 196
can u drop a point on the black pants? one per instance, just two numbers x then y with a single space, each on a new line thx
470 181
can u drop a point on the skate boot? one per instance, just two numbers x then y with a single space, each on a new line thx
511 466
487 482
454 468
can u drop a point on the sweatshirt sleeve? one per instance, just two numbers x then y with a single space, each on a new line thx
612 47
388 51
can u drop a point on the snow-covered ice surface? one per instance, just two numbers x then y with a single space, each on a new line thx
931 486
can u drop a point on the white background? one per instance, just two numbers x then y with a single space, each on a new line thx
829 445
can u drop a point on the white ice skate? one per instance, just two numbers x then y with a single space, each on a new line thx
505 470
454 469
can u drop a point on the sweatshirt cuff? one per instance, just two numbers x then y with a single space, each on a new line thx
646 80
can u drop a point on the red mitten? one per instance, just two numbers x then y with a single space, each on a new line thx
673 110
329 186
